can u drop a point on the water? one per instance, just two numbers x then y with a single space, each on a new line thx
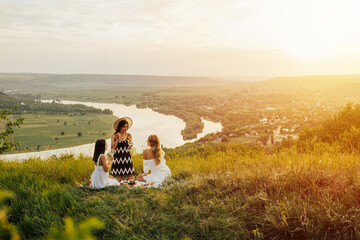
145 123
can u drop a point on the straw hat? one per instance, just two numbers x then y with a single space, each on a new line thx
129 121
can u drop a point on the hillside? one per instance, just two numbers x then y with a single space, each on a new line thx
6 101
216 192
37 81
314 82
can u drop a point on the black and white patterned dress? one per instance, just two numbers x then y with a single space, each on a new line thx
122 164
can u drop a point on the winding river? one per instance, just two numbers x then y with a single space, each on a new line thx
146 122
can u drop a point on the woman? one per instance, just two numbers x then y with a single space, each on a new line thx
121 144
100 176
154 160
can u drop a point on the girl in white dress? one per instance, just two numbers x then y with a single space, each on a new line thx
100 177
154 160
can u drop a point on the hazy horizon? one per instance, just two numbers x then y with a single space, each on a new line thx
232 39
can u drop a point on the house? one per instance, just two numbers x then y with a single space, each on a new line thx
264 120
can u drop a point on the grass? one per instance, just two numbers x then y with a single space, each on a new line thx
223 191
103 94
243 140
44 130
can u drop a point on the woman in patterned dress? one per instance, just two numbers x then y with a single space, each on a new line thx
121 144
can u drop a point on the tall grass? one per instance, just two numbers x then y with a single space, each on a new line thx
216 192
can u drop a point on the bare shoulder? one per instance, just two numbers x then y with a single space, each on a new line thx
146 153
103 158
129 136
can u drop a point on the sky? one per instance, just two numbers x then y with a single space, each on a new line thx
182 38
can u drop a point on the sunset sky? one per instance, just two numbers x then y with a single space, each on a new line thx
187 37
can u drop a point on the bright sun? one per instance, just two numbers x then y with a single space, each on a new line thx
307 46
315 29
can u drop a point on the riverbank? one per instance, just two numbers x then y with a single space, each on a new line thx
146 122
221 191
162 99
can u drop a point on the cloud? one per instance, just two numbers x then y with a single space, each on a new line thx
91 33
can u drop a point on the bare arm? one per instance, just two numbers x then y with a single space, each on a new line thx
105 163
130 140
144 154
114 141
145 158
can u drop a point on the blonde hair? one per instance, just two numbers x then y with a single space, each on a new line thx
154 142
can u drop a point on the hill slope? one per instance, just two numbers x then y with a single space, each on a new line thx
323 82
11 81
216 192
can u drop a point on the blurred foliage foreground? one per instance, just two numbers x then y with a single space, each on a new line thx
309 189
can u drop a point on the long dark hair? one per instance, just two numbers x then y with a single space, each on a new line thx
120 125
99 149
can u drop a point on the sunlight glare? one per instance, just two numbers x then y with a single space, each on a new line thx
315 30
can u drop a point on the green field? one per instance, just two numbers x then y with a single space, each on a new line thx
101 94
243 140
44 130
133 94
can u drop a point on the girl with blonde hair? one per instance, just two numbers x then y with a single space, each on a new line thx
154 160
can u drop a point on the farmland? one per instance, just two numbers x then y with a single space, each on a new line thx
49 131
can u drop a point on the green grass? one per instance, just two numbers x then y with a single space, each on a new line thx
104 94
223 191
43 129
243 140
199 90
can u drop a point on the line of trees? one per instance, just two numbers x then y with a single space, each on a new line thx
32 106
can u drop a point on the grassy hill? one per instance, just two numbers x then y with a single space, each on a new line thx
38 81
216 192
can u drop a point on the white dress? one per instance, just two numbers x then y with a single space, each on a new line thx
100 178
158 172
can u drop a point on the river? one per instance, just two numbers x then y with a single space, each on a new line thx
145 123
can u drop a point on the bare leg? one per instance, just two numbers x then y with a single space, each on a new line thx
140 178
131 177
120 178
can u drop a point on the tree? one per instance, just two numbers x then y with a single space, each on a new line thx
7 142
62 133
107 111
225 139
79 134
